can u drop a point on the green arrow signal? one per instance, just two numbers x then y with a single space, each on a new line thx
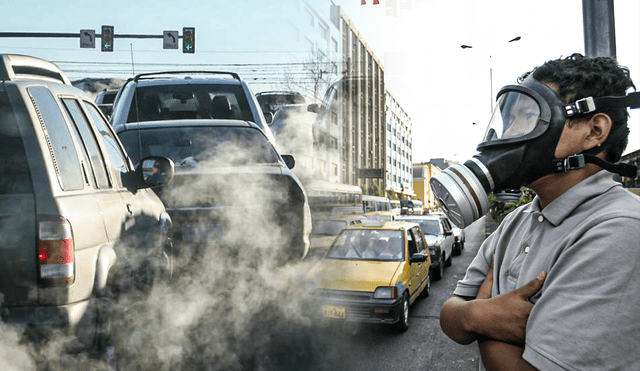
188 47
107 45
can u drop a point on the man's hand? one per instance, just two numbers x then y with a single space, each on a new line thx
505 316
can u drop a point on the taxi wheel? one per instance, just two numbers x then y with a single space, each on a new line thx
403 324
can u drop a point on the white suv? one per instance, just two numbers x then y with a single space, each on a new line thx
73 210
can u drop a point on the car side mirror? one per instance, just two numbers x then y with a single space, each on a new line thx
268 117
155 171
448 233
418 258
314 107
289 160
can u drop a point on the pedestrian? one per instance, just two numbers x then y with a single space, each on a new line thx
555 287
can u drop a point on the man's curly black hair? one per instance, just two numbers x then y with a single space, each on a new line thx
577 77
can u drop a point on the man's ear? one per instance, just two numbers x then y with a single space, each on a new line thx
600 127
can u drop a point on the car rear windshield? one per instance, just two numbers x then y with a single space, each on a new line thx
368 244
14 169
428 227
190 101
193 145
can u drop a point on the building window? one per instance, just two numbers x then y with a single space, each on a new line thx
310 17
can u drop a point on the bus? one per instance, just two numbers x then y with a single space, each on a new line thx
413 207
334 198
395 206
375 203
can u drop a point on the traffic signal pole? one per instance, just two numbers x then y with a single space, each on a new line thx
56 35
599 28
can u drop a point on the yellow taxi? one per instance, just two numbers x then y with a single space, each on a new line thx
372 273
325 228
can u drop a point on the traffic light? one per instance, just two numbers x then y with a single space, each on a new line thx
188 39
107 39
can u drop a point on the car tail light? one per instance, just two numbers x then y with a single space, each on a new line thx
56 260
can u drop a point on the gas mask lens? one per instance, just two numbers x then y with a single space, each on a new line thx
515 116
461 190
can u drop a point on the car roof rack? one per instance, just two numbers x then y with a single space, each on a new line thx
14 67
151 74
291 92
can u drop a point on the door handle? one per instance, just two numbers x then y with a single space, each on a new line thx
130 209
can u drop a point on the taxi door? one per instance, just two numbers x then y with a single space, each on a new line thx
415 269
422 249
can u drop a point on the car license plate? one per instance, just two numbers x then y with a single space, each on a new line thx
331 311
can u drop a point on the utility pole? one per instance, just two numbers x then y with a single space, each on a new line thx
599 28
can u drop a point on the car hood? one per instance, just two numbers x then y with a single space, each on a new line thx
350 275
321 242
433 240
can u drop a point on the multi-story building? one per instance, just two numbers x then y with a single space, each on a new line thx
399 143
422 174
354 141
361 116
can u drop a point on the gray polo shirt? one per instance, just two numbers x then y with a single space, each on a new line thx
587 315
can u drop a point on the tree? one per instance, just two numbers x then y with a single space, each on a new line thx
498 210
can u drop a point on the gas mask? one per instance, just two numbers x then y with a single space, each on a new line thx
519 148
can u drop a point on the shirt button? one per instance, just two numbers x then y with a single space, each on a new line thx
526 249
540 218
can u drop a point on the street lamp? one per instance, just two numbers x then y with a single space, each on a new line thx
463 46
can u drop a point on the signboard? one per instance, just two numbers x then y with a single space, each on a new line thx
87 38
170 40
371 173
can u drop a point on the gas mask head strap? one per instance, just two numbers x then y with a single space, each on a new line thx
591 104
588 105
579 161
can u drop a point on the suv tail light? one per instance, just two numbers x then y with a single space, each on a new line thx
56 260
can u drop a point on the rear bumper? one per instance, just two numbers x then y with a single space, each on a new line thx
44 316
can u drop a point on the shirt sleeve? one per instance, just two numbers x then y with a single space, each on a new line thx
588 316
478 269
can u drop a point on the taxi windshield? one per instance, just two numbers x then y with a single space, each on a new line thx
368 244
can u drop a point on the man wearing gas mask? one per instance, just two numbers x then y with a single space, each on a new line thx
555 287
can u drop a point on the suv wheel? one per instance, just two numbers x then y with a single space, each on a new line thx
457 250
438 271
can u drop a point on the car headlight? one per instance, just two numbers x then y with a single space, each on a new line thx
386 292
310 287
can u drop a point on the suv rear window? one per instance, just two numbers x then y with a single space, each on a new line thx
63 150
14 169
210 145
193 101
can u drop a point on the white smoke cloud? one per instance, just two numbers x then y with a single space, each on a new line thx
234 302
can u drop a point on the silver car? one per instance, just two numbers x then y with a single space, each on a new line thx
438 234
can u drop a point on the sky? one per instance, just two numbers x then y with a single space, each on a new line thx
446 90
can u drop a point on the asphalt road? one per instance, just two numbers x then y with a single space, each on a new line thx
424 346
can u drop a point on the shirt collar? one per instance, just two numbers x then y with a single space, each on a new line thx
564 205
